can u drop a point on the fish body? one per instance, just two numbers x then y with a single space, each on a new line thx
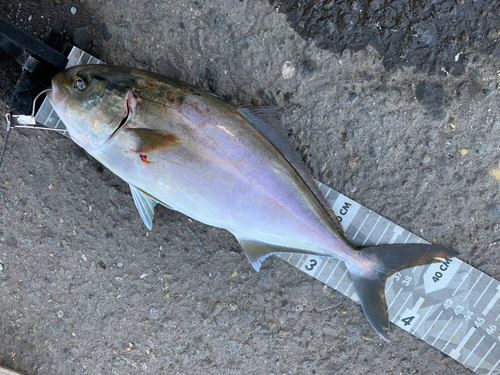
225 166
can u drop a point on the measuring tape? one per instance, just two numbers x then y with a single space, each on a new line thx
450 305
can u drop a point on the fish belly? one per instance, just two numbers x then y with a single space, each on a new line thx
228 176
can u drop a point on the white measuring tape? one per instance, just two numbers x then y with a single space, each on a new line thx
450 305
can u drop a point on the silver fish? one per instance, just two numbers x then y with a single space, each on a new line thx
226 166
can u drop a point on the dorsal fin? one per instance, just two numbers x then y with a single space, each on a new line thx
268 121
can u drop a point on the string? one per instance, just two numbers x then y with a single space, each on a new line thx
8 117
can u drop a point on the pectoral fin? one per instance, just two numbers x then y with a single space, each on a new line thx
151 140
145 205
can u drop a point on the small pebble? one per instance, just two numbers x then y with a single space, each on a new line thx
120 265
105 31
73 10
256 101
493 34
1 266
287 70
299 308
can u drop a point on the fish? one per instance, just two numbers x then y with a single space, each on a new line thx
230 167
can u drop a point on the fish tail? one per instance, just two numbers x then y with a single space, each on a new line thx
373 265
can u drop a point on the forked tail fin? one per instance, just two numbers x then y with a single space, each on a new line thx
387 260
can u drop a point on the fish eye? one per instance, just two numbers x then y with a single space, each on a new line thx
80 83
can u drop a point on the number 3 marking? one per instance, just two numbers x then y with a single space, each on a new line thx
312 265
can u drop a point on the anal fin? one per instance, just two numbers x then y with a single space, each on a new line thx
257 252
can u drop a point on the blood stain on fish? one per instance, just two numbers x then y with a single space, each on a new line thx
144 159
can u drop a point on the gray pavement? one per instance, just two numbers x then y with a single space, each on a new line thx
86 289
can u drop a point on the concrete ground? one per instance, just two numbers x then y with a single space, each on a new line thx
396 107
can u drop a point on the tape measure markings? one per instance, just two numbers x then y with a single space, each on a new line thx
332 273
347 290
321 267
492 302
382 235
408 324
482 294
486 355
473 350
453 335
463 281
361 227
434 313
494 367
473 286
424 319
328 271
395 298
341 280
389 283
455 353
371 231
44 112
432 325
402 306
397 233
444 328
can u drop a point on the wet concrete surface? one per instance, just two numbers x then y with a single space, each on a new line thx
86 289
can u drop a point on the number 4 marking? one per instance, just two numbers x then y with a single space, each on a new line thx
407 321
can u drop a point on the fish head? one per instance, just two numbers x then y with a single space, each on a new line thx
93 101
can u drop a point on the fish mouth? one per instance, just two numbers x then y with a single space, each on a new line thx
58 96
60 92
